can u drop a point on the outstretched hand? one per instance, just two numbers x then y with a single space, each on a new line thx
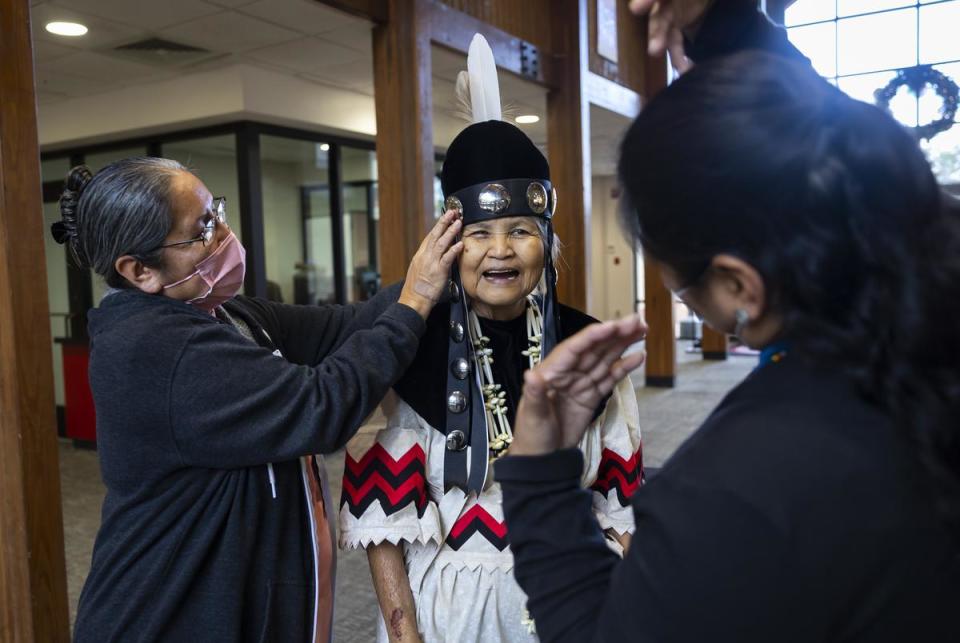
561 393
667 20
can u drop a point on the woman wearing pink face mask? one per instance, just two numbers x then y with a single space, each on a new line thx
211 407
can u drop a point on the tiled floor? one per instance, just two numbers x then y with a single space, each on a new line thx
667 417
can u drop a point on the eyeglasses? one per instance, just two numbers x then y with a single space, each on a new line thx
219 211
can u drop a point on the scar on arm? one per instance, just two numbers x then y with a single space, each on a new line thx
396 619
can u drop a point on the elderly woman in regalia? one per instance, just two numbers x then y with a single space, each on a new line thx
422 500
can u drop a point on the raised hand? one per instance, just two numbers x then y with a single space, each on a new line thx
667 21
561 393
430 267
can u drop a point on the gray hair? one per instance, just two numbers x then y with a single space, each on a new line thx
122 210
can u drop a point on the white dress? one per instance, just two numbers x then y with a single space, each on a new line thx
455 545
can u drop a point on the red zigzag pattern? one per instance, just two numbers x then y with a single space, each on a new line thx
378 476
477 519
623 475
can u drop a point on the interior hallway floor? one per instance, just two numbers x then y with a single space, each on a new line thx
667 417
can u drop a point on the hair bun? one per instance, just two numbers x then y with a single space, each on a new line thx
77 180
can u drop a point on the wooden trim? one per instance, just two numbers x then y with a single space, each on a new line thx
403 98
454 30
612 96
33 587
568 134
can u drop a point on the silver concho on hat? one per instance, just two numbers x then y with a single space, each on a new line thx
456 440
553 199
537 198
460 368
456 402
453 203
494 198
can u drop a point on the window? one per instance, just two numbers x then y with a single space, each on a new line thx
860 44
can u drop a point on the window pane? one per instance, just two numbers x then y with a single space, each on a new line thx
804 11
940 33
819 44
214 161
100 160
853 7
360 222
930 102
903 106
297 228
881 41
54 169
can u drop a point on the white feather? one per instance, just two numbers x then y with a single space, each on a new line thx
484 86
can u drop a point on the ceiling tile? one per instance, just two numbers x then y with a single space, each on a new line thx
308 55
229 31
306 16
145 15
102 34
45 51
230 4
357 36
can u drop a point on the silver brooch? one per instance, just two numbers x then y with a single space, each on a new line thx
456 402
456 331
460 368
453 203
537 197
494 198
456 440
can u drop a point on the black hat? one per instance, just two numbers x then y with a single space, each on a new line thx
492 170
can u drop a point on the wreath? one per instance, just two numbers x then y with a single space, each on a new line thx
916 79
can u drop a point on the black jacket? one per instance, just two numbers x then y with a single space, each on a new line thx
193 546
795 513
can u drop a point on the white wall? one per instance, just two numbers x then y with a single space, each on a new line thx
613 272
205 98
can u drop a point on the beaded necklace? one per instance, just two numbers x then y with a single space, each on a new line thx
499 432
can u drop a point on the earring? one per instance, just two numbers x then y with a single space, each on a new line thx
742 318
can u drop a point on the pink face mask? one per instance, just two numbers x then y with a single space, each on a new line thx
223 273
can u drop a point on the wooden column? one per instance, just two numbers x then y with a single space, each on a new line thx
568 143
33 592
714 344
661 368
405 157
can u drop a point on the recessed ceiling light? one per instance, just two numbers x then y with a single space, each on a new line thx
527 118
66 28
324 147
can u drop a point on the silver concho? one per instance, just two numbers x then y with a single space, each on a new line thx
456 440
494 198
453 203
454 290
456 402
456 331
537 198
553 199
460 368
